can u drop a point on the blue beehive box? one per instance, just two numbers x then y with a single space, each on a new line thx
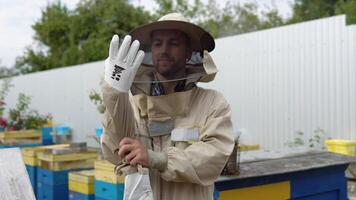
47 138
19 146
62 130
52 185
52 192
52 177
31 170
105 190
80 196
98 132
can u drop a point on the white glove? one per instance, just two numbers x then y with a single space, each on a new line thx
122 64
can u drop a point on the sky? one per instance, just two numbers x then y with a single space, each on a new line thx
17 16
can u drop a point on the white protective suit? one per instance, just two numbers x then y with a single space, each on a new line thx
188 134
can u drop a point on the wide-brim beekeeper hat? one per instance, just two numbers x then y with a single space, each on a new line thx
200 39
199 68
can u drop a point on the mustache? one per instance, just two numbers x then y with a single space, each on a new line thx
164 57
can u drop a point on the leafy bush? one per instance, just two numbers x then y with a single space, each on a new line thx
4 90
316 141
21 117
96 98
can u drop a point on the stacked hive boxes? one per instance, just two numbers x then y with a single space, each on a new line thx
107 185
23 138
81 185
29 156
54 166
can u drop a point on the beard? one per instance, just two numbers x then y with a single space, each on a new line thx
170 71
169 68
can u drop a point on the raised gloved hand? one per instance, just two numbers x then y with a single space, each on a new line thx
123 62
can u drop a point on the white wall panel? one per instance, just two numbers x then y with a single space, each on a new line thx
303 75
63 93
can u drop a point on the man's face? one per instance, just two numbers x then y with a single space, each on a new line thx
169 52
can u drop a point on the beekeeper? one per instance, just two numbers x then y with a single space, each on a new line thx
171 137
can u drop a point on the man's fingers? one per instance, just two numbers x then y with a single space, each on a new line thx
131 155
126 140
137 63
132 52
135 161
125 149
114 47
124 48
138 60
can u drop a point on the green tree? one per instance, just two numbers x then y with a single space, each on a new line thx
6 72
68 37
347 7
4 91
190 9
304 10
233 18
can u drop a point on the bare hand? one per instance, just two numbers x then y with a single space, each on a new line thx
133 152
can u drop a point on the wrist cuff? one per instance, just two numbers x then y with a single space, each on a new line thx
157 160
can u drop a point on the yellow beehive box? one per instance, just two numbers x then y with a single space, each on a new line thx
271 191
249 147
33 151
67 165
105 171
30 161
21 137
67 161
347 147
29 154
81 181
84 155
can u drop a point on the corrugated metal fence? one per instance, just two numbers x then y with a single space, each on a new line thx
294 78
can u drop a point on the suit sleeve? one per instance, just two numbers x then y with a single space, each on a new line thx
118 121
203 161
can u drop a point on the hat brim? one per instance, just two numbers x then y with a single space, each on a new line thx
200 39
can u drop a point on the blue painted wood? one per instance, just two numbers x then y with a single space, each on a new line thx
80 196
106 190
331 195
98 132
52 192
62 130
216 194
261 180
32 173
19 146
48 141
52 177
327 183
47 138
319 185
